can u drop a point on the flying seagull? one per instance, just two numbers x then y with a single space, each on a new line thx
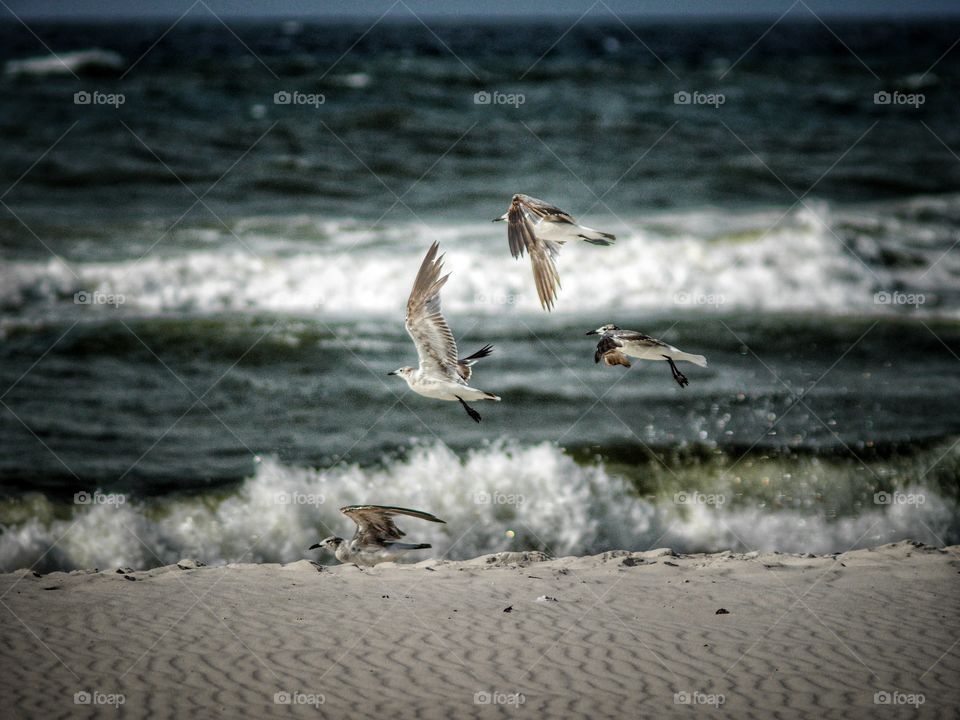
375 540
540 229
616 344
441 374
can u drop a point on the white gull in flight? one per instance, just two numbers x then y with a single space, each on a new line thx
441 375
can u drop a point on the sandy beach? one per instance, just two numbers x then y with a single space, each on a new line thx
869 633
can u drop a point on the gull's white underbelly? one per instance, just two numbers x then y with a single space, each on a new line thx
442 390
649 352
557 232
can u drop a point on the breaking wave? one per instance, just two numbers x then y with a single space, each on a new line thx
500 497
698 260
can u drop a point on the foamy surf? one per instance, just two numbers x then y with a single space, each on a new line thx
78 62
502 497
800 264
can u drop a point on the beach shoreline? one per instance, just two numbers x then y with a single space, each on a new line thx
621 633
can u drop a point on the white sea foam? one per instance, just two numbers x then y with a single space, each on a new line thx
66 63
697 261
758 528
500 497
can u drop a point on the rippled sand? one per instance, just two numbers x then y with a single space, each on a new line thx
613 635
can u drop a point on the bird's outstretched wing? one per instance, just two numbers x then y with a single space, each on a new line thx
436 347
522 236
375 522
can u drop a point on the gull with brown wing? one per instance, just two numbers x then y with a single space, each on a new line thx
441 375
541 229
616 344
377 537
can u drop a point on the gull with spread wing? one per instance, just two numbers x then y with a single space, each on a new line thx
376 539
616 344
441 375
541 229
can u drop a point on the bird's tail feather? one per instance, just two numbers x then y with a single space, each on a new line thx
410 546
491 396
695 359
595 236
464 364
481 353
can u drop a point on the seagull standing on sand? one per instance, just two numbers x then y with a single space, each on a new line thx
375 540
615 344
441 374
540 229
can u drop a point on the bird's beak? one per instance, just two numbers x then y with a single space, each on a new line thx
497 219
392 372
314 547
593 332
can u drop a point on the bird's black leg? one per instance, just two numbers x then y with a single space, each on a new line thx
677 375
470 411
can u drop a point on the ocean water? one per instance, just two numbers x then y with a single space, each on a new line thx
201 290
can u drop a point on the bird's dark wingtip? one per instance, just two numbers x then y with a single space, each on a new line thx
605 241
